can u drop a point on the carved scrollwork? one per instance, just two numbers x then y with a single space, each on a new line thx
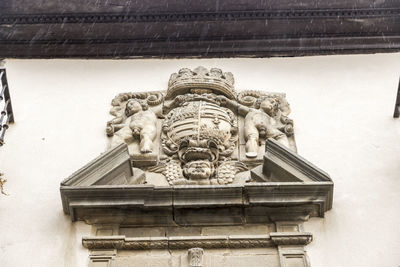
155 99
248 97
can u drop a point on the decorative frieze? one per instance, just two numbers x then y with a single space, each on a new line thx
183 242
205 242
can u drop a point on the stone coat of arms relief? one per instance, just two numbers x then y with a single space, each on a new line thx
195 157
199 131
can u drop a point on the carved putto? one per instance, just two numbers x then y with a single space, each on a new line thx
199 131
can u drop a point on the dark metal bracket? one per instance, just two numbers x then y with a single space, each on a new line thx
6 115
396 113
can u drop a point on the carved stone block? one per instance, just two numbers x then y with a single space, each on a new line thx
195 257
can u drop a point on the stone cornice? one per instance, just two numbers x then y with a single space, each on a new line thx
255 201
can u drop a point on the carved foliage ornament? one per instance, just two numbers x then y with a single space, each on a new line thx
199 131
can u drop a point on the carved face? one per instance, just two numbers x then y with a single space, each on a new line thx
269 106
262 132
198 170
136 131
133 106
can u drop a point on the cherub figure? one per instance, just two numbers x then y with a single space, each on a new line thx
258 123
142 126
261 124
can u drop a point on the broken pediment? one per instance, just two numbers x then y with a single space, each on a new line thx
113 167
198 153
283 165
284 187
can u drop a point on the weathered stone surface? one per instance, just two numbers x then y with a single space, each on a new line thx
174 231
294 256
267 256
202 250
238 230
242 260
193 205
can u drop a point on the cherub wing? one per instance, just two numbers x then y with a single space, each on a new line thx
159 168
240 166
228 169
172 171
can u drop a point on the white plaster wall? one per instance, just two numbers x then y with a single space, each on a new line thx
342 107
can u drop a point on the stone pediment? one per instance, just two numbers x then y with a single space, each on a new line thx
111 167
283 165
284 187
196 154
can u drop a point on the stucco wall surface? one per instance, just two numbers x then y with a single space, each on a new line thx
342 107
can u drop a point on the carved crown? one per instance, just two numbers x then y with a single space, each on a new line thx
201 80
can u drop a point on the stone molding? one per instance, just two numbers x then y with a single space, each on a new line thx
183 242
289 238
205 242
